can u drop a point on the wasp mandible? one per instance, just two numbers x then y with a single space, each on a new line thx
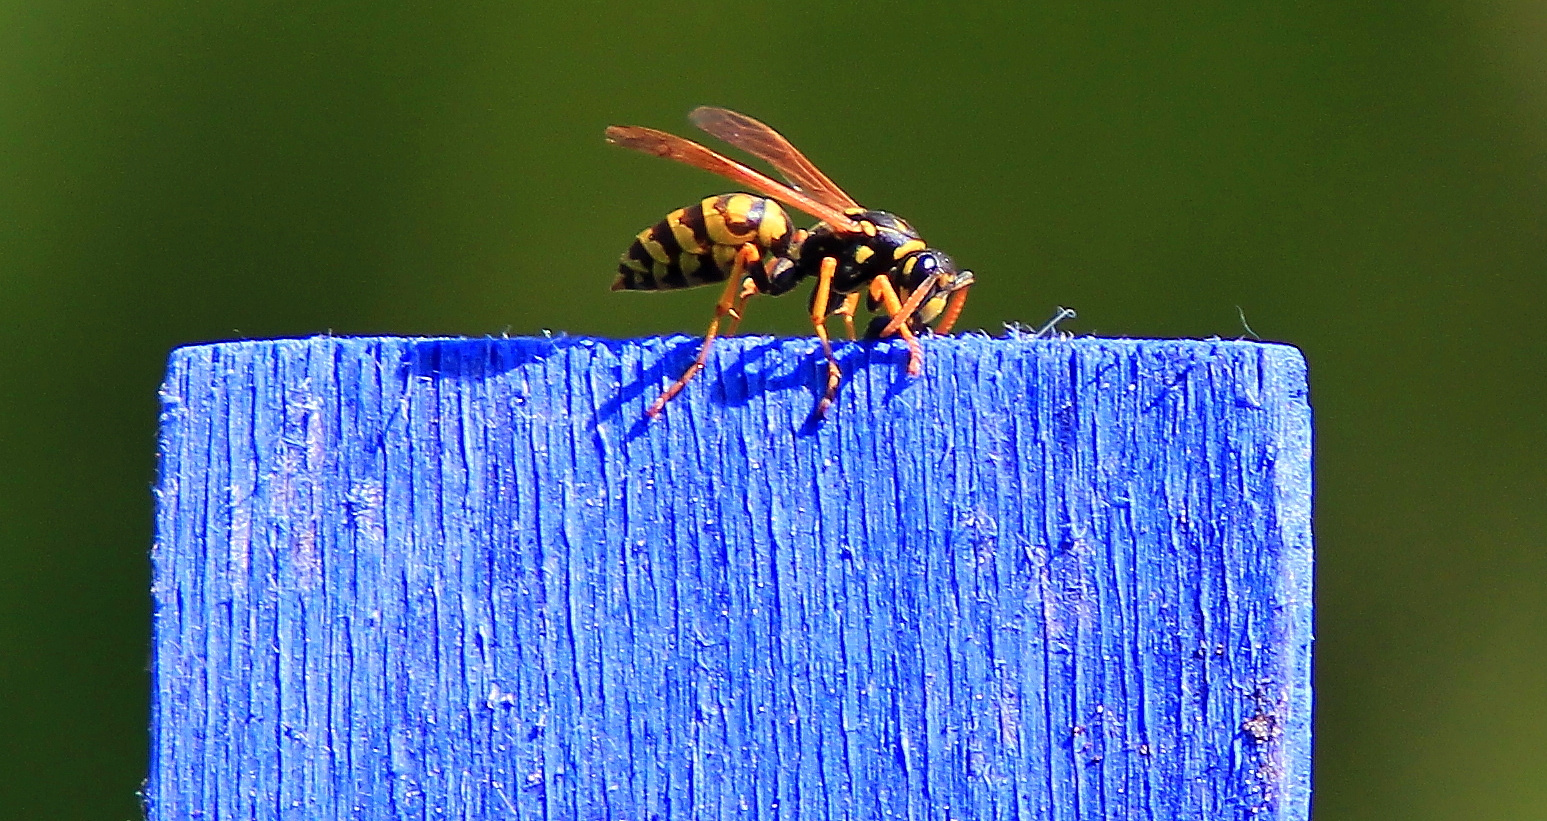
748 242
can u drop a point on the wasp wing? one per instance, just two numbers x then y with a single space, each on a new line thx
672 147
757 139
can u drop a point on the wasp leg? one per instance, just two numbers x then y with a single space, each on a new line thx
953 309
841 305
748 290
911 307
846 311
824 286
745 258
873 295
894 307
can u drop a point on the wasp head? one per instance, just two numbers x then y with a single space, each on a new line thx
933 270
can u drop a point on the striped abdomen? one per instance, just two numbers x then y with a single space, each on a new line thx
697 245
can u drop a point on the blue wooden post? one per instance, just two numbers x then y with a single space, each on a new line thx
460 579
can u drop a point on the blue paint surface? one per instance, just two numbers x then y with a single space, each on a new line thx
461 579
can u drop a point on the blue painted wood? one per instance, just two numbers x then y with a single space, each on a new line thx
460 579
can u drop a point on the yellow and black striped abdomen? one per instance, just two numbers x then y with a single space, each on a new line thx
697 245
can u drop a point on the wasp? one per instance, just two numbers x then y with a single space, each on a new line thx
748 242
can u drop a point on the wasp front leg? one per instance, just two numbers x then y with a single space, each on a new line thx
894 307
746 257
909 308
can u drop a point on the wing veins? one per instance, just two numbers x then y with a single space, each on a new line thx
758 139
683 150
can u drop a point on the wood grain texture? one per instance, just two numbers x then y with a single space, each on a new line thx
461 579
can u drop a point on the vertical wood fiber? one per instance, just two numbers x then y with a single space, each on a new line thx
460 579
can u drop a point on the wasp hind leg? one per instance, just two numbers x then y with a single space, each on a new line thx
728 304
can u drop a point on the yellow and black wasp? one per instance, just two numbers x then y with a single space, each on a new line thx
747 242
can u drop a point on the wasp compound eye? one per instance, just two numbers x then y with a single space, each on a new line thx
925 264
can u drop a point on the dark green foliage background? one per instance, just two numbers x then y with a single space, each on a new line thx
1365 180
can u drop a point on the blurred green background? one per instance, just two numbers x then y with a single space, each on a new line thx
1365 180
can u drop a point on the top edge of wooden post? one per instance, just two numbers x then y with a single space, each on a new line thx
799 344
